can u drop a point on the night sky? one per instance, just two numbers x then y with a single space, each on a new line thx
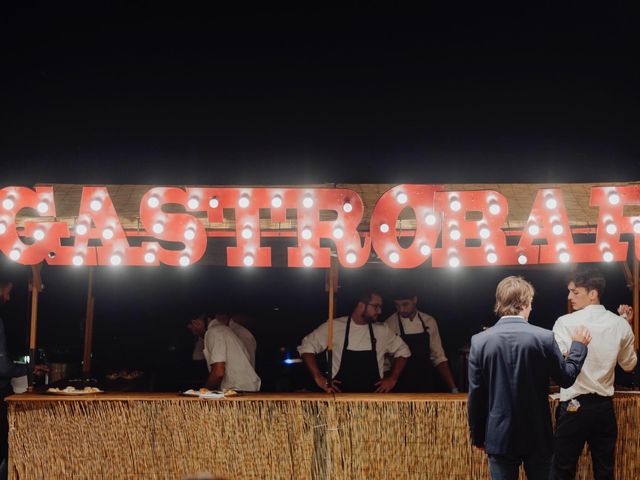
362 95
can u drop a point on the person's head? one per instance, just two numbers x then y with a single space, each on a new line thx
223 317
586 287
514 296
369 306
406 304
5 291
198 325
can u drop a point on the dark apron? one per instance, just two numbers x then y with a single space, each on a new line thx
358 370
417 376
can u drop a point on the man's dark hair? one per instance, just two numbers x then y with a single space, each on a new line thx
365 297
589 278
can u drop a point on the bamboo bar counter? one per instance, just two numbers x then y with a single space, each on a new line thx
262 436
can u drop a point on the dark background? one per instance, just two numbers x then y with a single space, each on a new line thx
354 95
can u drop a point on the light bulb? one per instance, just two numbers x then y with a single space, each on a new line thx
3 228
430 219
494 208
351 257
213 203
347 207
306 233
557 229
190 233
455 234
533 229
454 261
193 203
276 201
107 233
185 261
248 260
43 206
15 254
247 233
96 204
307 260
611 228
425 250
116 259
402 198
153 201
149 257
81 229
244 201
485 232
158 227
38 234
607 256
338 232
394 257
550 202
522 259
307 202
492 257
384 227
614 198
564 256
455 204
8 203
636 226
77 260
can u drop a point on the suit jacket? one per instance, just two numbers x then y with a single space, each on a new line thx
8 369
509 369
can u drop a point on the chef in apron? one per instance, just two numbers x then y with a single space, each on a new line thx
420 332
360 344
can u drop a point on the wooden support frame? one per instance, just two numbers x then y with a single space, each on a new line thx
88 327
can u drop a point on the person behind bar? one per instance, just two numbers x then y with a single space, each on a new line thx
420 332
8 370
198 327
509 369
247 338
585 412
228 360
359 346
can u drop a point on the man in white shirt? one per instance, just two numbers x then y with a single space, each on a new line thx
585 413
420 332
228 360
359 347
243 334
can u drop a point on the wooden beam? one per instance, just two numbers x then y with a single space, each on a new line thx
36 288
88 327
636 300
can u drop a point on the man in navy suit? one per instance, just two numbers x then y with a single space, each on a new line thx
509 369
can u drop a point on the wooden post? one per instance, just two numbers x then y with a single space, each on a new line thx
88 328
332 286
36 288
636 300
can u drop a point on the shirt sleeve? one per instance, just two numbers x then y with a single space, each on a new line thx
562 336
627 357
477 400
435 343
315 342
395 346
392 323
216 345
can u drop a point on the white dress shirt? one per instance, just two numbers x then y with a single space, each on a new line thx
222 345
611 343
244 335
387 342
413 326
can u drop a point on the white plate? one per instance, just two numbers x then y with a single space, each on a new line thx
76 392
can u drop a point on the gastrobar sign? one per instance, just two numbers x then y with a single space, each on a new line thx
444 232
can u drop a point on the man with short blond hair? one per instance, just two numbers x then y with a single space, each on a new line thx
509 369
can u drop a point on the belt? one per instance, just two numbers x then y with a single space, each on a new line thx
590 398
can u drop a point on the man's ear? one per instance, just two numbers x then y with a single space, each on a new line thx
592 294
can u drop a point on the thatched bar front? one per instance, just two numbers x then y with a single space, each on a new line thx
259 436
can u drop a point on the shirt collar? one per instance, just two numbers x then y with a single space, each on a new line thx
511 319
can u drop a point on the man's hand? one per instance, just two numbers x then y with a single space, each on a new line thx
323 383
582 335
626 312
479 448
39 370
386 384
